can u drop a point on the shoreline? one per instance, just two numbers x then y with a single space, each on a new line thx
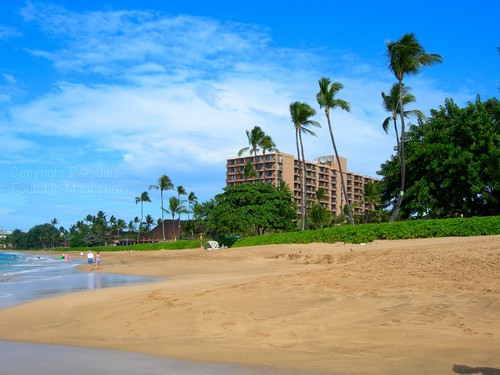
422 305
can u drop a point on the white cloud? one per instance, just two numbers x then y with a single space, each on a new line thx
148 94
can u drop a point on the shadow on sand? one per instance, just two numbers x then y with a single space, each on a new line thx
462 369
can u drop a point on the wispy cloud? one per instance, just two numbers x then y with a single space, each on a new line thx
148 94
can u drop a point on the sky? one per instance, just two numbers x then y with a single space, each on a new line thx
98 99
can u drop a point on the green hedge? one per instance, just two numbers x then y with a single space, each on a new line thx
175 245
460 227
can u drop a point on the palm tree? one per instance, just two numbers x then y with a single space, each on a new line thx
120 226
164 183
174 207
326 99
249 172
300 114
180 191
391 104
406 56
53 223
192 199
148 221
144 197
267 144
372 197
254 137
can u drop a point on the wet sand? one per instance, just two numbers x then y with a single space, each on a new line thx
427 306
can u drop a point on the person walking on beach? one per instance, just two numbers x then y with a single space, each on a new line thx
90 259
97 260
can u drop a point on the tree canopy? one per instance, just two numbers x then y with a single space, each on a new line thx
453 163
249 209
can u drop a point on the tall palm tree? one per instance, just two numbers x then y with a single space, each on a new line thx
390 102
53 237
192 199
164 183
144 197
326 99
181 191
406 56
301 114
267 144
254 138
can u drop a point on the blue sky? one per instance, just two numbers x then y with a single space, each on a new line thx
100 98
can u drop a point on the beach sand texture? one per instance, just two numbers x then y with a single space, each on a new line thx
424 306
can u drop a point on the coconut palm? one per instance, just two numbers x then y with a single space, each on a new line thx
120 226
406 56
301 114
267 144
254 138
144 197
164 183
391 104
192 199
148 222
174 208
249 172
371 196
326 99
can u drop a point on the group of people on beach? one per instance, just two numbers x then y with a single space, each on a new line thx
91 259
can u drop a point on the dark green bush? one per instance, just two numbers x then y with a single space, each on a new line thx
459 227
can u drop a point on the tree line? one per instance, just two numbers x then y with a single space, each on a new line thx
445 165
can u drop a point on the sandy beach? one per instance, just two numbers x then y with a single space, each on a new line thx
426 306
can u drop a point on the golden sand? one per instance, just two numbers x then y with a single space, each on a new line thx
426 306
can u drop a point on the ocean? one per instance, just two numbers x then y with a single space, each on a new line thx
26 277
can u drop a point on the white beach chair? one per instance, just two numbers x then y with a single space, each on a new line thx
213 245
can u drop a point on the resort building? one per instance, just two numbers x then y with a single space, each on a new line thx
321 173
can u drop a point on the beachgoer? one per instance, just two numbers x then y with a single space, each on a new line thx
81 254
90 259
97 260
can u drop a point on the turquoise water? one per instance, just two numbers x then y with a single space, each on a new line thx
26 277
19 267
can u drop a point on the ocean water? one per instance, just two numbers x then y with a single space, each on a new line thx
26 277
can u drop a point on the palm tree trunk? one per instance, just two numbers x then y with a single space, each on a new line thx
302 216
398 147
342 183
304 196
162 216
395 212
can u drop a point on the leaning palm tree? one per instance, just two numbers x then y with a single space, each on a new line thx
406 56
144 197
390 102
164 183
301 114
326 99
254 138
267 144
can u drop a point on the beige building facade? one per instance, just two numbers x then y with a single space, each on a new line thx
321 173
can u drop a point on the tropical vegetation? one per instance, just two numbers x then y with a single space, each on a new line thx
446 166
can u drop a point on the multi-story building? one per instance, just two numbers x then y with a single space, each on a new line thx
321 173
